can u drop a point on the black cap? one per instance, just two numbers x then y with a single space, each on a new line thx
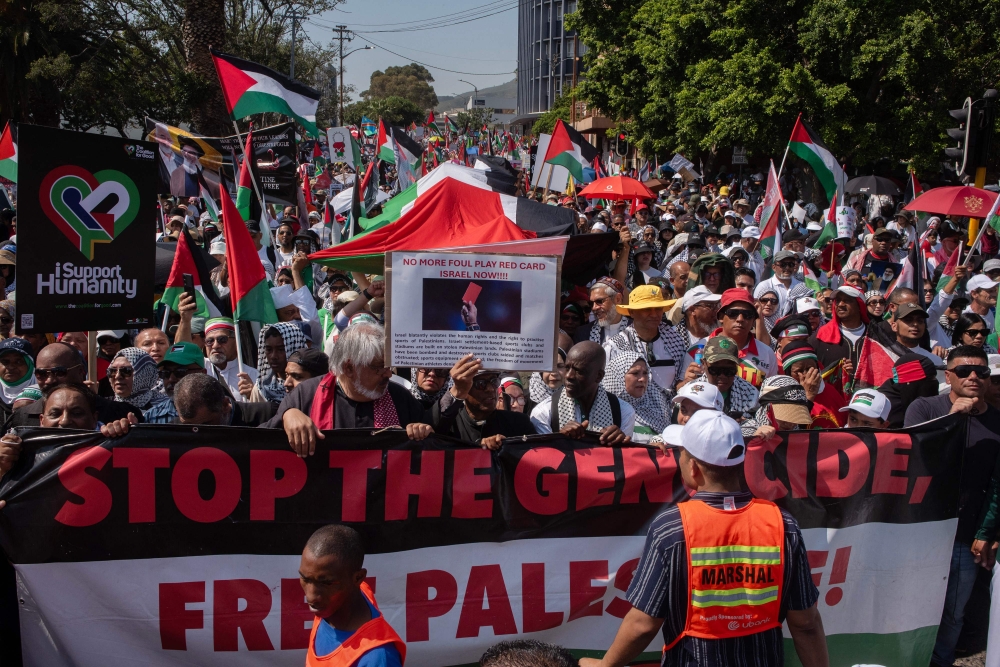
948 229
253 226
793 235
692 228
696 240
644 247
712 230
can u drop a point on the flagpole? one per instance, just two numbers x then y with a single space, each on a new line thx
548 181
239 346
166 318
785 156
975 243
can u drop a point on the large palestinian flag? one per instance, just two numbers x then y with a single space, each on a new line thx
807 145
383 145
251 88
8 154
770 217
248 285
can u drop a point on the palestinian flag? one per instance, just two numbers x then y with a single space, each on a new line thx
563 152
383 145
8 154
249 293
210 205
251 88
874 364
369 187
811 278
770 218
244 187
449 125
330 222
353 226
431 125
993 217
913 189
318 160
599 170
189 259
949 268
807 145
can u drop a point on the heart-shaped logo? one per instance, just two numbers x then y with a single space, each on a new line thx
89 208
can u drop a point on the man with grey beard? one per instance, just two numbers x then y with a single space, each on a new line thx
605 294
220 346
699 310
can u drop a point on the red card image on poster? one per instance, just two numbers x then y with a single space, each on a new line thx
472 293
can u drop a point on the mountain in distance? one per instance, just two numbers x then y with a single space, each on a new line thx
508 89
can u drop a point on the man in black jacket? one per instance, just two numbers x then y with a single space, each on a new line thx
479 422
201 399
57 364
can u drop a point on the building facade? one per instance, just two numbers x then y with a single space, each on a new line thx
547 55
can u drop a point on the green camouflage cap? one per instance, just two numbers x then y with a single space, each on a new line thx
720 348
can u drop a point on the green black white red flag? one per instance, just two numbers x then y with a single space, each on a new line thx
8 154
563 152
251 88
805 143
248 288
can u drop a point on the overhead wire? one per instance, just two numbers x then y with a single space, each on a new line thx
425 24
468 11
443 69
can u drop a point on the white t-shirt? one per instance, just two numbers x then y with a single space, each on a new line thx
853 334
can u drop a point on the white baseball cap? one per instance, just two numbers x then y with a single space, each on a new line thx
110 334
814 226
805 304
217 247
697 295
713 438
703 394
751 232
981 281
871 403
993 361
668 217
599 226
672 435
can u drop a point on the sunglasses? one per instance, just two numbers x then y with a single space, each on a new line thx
485 383
221 340
6 320
769 301
722 372
58 372
788 265
124 371
439 372
735 314
877 302
965 370
975 333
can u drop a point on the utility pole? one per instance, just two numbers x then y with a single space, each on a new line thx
342 35
295 16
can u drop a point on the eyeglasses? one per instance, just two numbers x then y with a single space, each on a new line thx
976 333
439 372
176 372
769 301
124 371
594 302
6 320
516 401
965 370
485 383
736 313
221 340
58 372
929 291
722 372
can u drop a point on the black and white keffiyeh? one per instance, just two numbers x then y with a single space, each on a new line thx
144 378
777 385
599 417
425 397
269 384
628 340
651 408
742 395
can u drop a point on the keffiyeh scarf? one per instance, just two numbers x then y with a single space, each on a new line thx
600 415
268 382
144 378
427 397
651 407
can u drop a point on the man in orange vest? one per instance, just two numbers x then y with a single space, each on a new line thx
721 571
348 630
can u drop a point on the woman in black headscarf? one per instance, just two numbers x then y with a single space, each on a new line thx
913 376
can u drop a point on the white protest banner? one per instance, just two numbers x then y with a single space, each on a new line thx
845 222
444 305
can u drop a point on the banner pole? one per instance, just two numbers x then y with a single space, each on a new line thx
548 181
92 356
166 318
239 346
975 243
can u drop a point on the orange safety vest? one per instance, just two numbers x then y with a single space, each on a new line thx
376 632
736 563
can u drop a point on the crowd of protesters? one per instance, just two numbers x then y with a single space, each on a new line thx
689 324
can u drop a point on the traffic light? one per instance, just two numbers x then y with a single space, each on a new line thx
974 133
621 144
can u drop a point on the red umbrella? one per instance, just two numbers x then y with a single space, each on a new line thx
963 200
617 187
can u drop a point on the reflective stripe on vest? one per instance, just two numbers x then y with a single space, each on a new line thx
735 569
376 632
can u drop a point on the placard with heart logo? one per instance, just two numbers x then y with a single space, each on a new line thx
89 208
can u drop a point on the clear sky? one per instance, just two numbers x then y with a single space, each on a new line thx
484 49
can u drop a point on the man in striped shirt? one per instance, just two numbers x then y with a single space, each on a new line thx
663 598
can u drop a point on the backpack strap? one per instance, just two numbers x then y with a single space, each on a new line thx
616 409
554 410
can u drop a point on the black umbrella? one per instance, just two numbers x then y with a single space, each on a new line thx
165 260
872 185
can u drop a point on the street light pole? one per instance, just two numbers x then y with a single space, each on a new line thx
474 88
342 34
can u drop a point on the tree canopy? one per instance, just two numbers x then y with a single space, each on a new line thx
95 64
561 108
411 82
396 111
874 78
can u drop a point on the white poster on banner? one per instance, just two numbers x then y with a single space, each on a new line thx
444 305
540 174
